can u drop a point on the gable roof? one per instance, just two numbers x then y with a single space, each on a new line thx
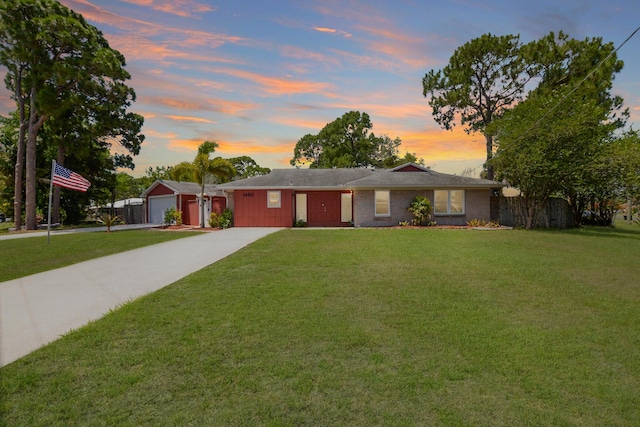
412 176
180 187
408 176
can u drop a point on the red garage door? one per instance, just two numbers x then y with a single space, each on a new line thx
323 209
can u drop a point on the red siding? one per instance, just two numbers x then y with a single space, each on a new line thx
160 190
190 212
218 205
191 209
250 209
410 168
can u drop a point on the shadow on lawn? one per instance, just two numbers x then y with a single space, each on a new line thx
616 232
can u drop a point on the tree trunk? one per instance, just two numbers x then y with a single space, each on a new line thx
19 168
19 175
35 123
489 140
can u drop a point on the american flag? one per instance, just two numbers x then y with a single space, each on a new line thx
69 179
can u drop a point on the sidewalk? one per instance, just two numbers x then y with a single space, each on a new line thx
21 235
38 309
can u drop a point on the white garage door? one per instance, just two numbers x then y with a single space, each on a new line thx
157 206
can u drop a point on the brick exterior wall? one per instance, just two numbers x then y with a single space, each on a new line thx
477 206
364 207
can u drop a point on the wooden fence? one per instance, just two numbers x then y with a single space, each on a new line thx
510 211
132 214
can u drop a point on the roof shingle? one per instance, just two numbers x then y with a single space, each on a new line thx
415 177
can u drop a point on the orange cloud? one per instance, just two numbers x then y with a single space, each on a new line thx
310 126
275 86
208 104
249 148
152 133
439 144
188 119
231 148
184 145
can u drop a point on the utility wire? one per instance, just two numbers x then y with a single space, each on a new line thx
549 111
552 109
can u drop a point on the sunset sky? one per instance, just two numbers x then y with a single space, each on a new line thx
257 75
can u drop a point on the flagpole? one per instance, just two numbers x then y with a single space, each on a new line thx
53 168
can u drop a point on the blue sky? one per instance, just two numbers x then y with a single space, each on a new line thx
255 76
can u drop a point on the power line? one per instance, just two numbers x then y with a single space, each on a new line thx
549 111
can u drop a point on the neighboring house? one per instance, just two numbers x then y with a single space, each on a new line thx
355 197
130 211
183 196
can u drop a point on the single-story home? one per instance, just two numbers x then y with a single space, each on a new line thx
355 197
184 197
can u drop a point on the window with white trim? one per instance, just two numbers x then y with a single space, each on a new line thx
382 203
448 202
273 199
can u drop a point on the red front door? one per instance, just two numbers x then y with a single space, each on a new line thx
323 209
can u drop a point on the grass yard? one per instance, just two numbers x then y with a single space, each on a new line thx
4 227
362 327
21 257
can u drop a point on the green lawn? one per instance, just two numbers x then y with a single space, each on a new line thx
362 327
4 227
29 255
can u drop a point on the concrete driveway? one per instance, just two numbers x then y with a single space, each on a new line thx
38 309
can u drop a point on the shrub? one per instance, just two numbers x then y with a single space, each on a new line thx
109 220
482 223
420 207
223 220
300 223
172 216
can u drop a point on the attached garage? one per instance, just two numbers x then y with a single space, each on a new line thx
184 197
158 205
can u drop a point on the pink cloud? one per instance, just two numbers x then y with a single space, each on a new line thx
184 8
303 54
278 86
188 119
332 31
199 104
380 35
143 29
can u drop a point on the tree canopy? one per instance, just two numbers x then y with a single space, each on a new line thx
485 77
204 167
560 140
246 167
62 73
347 142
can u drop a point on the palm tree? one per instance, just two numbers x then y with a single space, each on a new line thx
202 167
